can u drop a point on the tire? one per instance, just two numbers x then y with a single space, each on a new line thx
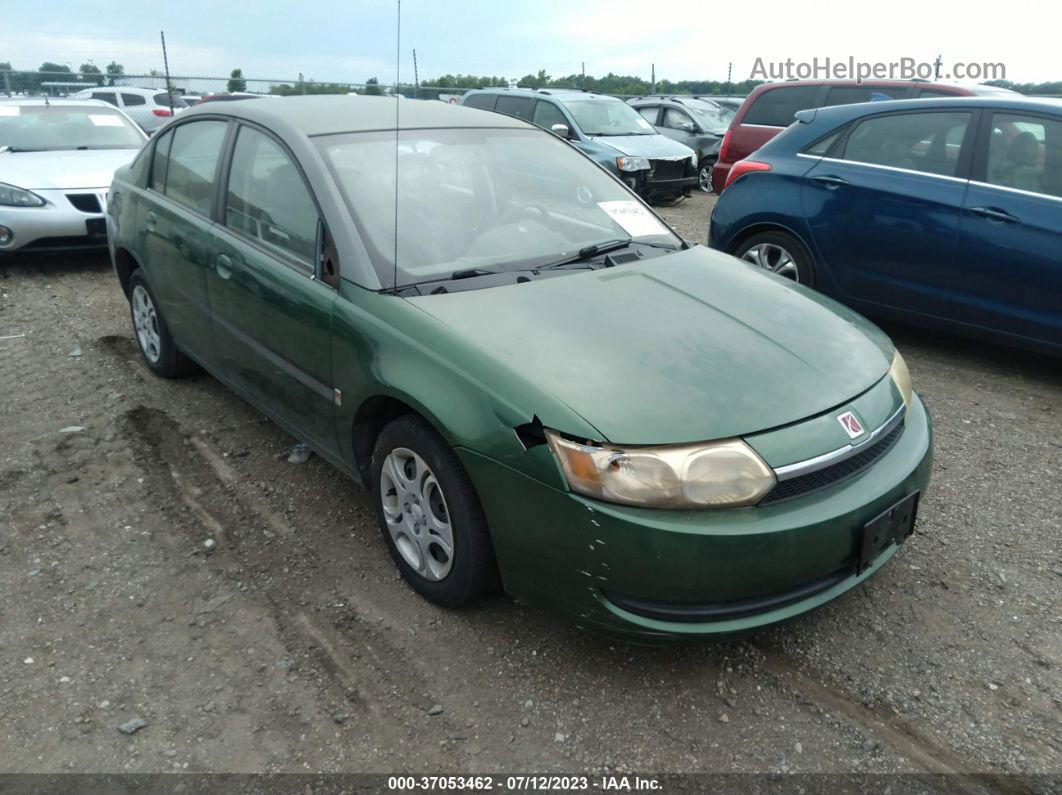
152 334
704 175
780 253
420 490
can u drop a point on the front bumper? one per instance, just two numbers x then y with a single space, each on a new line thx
600 563
59 225
666 178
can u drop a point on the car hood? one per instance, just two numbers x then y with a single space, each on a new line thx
88 168
644 145
691 346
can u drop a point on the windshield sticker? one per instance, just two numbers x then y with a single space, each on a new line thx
8 110
105 120
644 124
634 218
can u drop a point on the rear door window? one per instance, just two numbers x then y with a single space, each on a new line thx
106 96
650 113
927 142
483 101
777 107
520 107
132 99
193 160
926 93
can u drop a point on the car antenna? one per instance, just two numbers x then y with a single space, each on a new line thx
398 102
166 67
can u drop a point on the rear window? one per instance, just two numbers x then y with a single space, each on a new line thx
850 95
484 101
165 99
777 106
520 107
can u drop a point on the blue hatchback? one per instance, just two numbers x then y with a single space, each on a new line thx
943 212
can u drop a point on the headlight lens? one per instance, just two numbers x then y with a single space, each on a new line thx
727 473
10 196
901 377
632 163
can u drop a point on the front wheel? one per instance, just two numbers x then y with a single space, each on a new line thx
779 253
430 515
704 175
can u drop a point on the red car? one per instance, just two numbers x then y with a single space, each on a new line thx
769 109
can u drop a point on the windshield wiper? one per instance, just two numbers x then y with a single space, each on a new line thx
592 250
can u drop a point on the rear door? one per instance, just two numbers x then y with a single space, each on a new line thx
1010 238
178 229
272 313
136 106
769 114
520 107
884 207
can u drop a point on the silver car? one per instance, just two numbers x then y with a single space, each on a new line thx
57 158
148 107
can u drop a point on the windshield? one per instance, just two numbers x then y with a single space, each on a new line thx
493 199
712 118
38 128
606 116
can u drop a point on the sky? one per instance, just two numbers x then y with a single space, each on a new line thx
685 39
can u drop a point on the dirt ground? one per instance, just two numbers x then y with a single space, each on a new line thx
161 560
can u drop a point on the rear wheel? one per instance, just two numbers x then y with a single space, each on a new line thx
152 334
430 515
779 253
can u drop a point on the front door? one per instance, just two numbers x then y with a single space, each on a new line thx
1010 239
884 209
272 316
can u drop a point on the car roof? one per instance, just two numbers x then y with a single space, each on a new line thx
124 90
64 101
326 114
1016 102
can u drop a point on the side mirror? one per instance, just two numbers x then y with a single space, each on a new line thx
561 130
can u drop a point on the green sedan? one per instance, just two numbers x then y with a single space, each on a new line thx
543 387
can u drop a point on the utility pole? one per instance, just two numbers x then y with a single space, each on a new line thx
416 76
582 80
652 80
729 74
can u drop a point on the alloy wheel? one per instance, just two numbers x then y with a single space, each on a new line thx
774 258
146 323
704 177
416 514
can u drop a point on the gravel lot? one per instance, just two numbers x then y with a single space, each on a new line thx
161 560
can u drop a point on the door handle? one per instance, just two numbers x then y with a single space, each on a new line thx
150 220
223 266
992 214
831 182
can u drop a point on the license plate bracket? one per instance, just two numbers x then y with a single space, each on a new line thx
893 525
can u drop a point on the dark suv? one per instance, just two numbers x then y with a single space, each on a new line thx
770 108
607 130
699 124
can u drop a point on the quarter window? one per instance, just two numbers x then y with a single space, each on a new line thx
160 158
928 142
268 199
650 114
520 107
777 106
1025 152
133 99
193 160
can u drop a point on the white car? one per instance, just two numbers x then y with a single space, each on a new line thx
57 159
148 107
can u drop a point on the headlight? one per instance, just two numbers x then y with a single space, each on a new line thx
901 377
704 475
632 163
10 196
